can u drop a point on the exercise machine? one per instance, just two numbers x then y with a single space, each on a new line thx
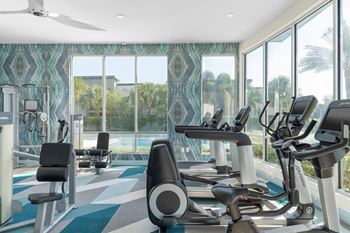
57 165
6 166
99 157
300 199
290 125
57 162
218 159
217 149
333 144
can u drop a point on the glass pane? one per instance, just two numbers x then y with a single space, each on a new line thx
152 93
122 142
346 172
218 89
258 148
315 62
120 83
87 74
144 141
218 77
279 73
345 78
255 97
120 102
2 101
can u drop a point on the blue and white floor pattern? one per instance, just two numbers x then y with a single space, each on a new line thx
113 202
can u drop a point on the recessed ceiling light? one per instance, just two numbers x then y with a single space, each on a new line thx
229 15
120 16
123 43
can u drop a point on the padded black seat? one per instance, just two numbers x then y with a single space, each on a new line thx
79 152
228 195
100 164
97 152
99 156
84 164
40 198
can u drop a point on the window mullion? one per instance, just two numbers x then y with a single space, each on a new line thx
136 127
294 60
104 95
265 144
337 40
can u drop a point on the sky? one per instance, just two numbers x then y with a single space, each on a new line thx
219 64
149 68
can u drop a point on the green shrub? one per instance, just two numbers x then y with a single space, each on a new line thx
258 150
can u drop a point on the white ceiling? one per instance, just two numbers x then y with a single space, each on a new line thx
147 21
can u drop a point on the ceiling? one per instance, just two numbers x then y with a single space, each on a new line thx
150 21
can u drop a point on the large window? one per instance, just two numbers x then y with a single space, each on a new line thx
120 102
315 58
218 88
279 80
345 78
315 63
151 100
311 68
123 95
254 85
88 95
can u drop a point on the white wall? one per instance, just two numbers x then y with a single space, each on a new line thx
293 14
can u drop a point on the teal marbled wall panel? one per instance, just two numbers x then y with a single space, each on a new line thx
49 64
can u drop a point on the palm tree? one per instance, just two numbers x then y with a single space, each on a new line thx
321 58
224 97
208 87
279 89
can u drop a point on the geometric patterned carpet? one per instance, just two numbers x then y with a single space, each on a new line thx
112 202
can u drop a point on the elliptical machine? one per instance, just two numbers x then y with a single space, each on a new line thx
333 137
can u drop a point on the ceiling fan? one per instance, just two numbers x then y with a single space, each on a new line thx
36 8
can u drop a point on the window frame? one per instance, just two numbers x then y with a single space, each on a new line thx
337 66
136 132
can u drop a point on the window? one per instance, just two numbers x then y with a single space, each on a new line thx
88 90
218 88
314 72
315 62
345 79
254 85
218 82
279 74
135 108
152 100
120 102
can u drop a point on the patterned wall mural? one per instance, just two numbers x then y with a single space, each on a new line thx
50 63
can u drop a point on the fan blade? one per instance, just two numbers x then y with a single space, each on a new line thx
73 23
36 4
13 12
